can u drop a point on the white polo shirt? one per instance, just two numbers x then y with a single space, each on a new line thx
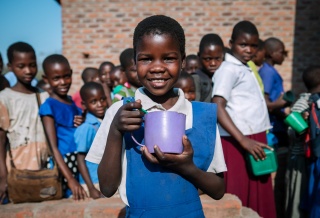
182 106
236 83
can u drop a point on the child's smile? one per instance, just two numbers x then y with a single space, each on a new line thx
159 63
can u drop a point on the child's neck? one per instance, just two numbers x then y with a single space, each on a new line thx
62 98
167 101
269 61
26 89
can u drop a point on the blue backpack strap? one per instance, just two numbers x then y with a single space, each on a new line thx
314 118
203 133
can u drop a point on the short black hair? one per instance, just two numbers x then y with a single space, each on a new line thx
52 59
191 57
311 77
210 39
104 64
84 91
271 44
126 58
185 75
244 27
19 47
88 72
4 83
159 24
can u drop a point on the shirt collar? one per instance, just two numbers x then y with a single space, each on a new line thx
232 59
149 105
91 119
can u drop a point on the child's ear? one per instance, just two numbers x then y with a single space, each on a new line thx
230 43
9 66
83 105
45 78
183 64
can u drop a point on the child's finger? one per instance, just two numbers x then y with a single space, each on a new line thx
187 146
148 156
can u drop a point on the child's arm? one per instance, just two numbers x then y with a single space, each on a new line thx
108 94
77 191
109 171
253 147
94 193
210 183
3 167
276 105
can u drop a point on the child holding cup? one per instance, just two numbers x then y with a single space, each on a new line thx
161 184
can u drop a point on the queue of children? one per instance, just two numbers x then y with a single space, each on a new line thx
89 133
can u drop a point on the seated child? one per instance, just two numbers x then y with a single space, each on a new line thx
159 185
211 53
94 104
121 87
192 63
88 74
186 84
60 117
129 68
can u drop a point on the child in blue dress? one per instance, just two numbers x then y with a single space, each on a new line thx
94 102
60 117
159 185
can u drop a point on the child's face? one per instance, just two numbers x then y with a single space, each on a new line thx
211 58
118 77
188 87
159 62
279 54
244 47
59 77
258 58
132 75
24 66
105 75
96 102
191 66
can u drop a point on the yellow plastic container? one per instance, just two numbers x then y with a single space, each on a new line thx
263 167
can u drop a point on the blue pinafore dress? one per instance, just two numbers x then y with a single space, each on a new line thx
154 191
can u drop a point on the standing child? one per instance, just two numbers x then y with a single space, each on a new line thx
311 79
243 120
163 185
186 84
94 104
88 74
104 73
129 68
60 117
192 64
19 120
121 87
211 53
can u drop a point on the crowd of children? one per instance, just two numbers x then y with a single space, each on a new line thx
233 98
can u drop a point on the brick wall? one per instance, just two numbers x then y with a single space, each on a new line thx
103 28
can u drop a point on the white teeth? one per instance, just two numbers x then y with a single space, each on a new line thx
158 80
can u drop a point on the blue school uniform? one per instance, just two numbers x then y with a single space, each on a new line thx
63 115
154 191
84 136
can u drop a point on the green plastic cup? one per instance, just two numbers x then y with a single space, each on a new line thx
296 122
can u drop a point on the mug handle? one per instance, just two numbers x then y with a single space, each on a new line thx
136 140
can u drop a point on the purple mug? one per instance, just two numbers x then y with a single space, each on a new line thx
164 129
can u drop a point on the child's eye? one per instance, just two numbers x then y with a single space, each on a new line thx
20 66
93 102
169 60
207 59
243 45
103 99
145 60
